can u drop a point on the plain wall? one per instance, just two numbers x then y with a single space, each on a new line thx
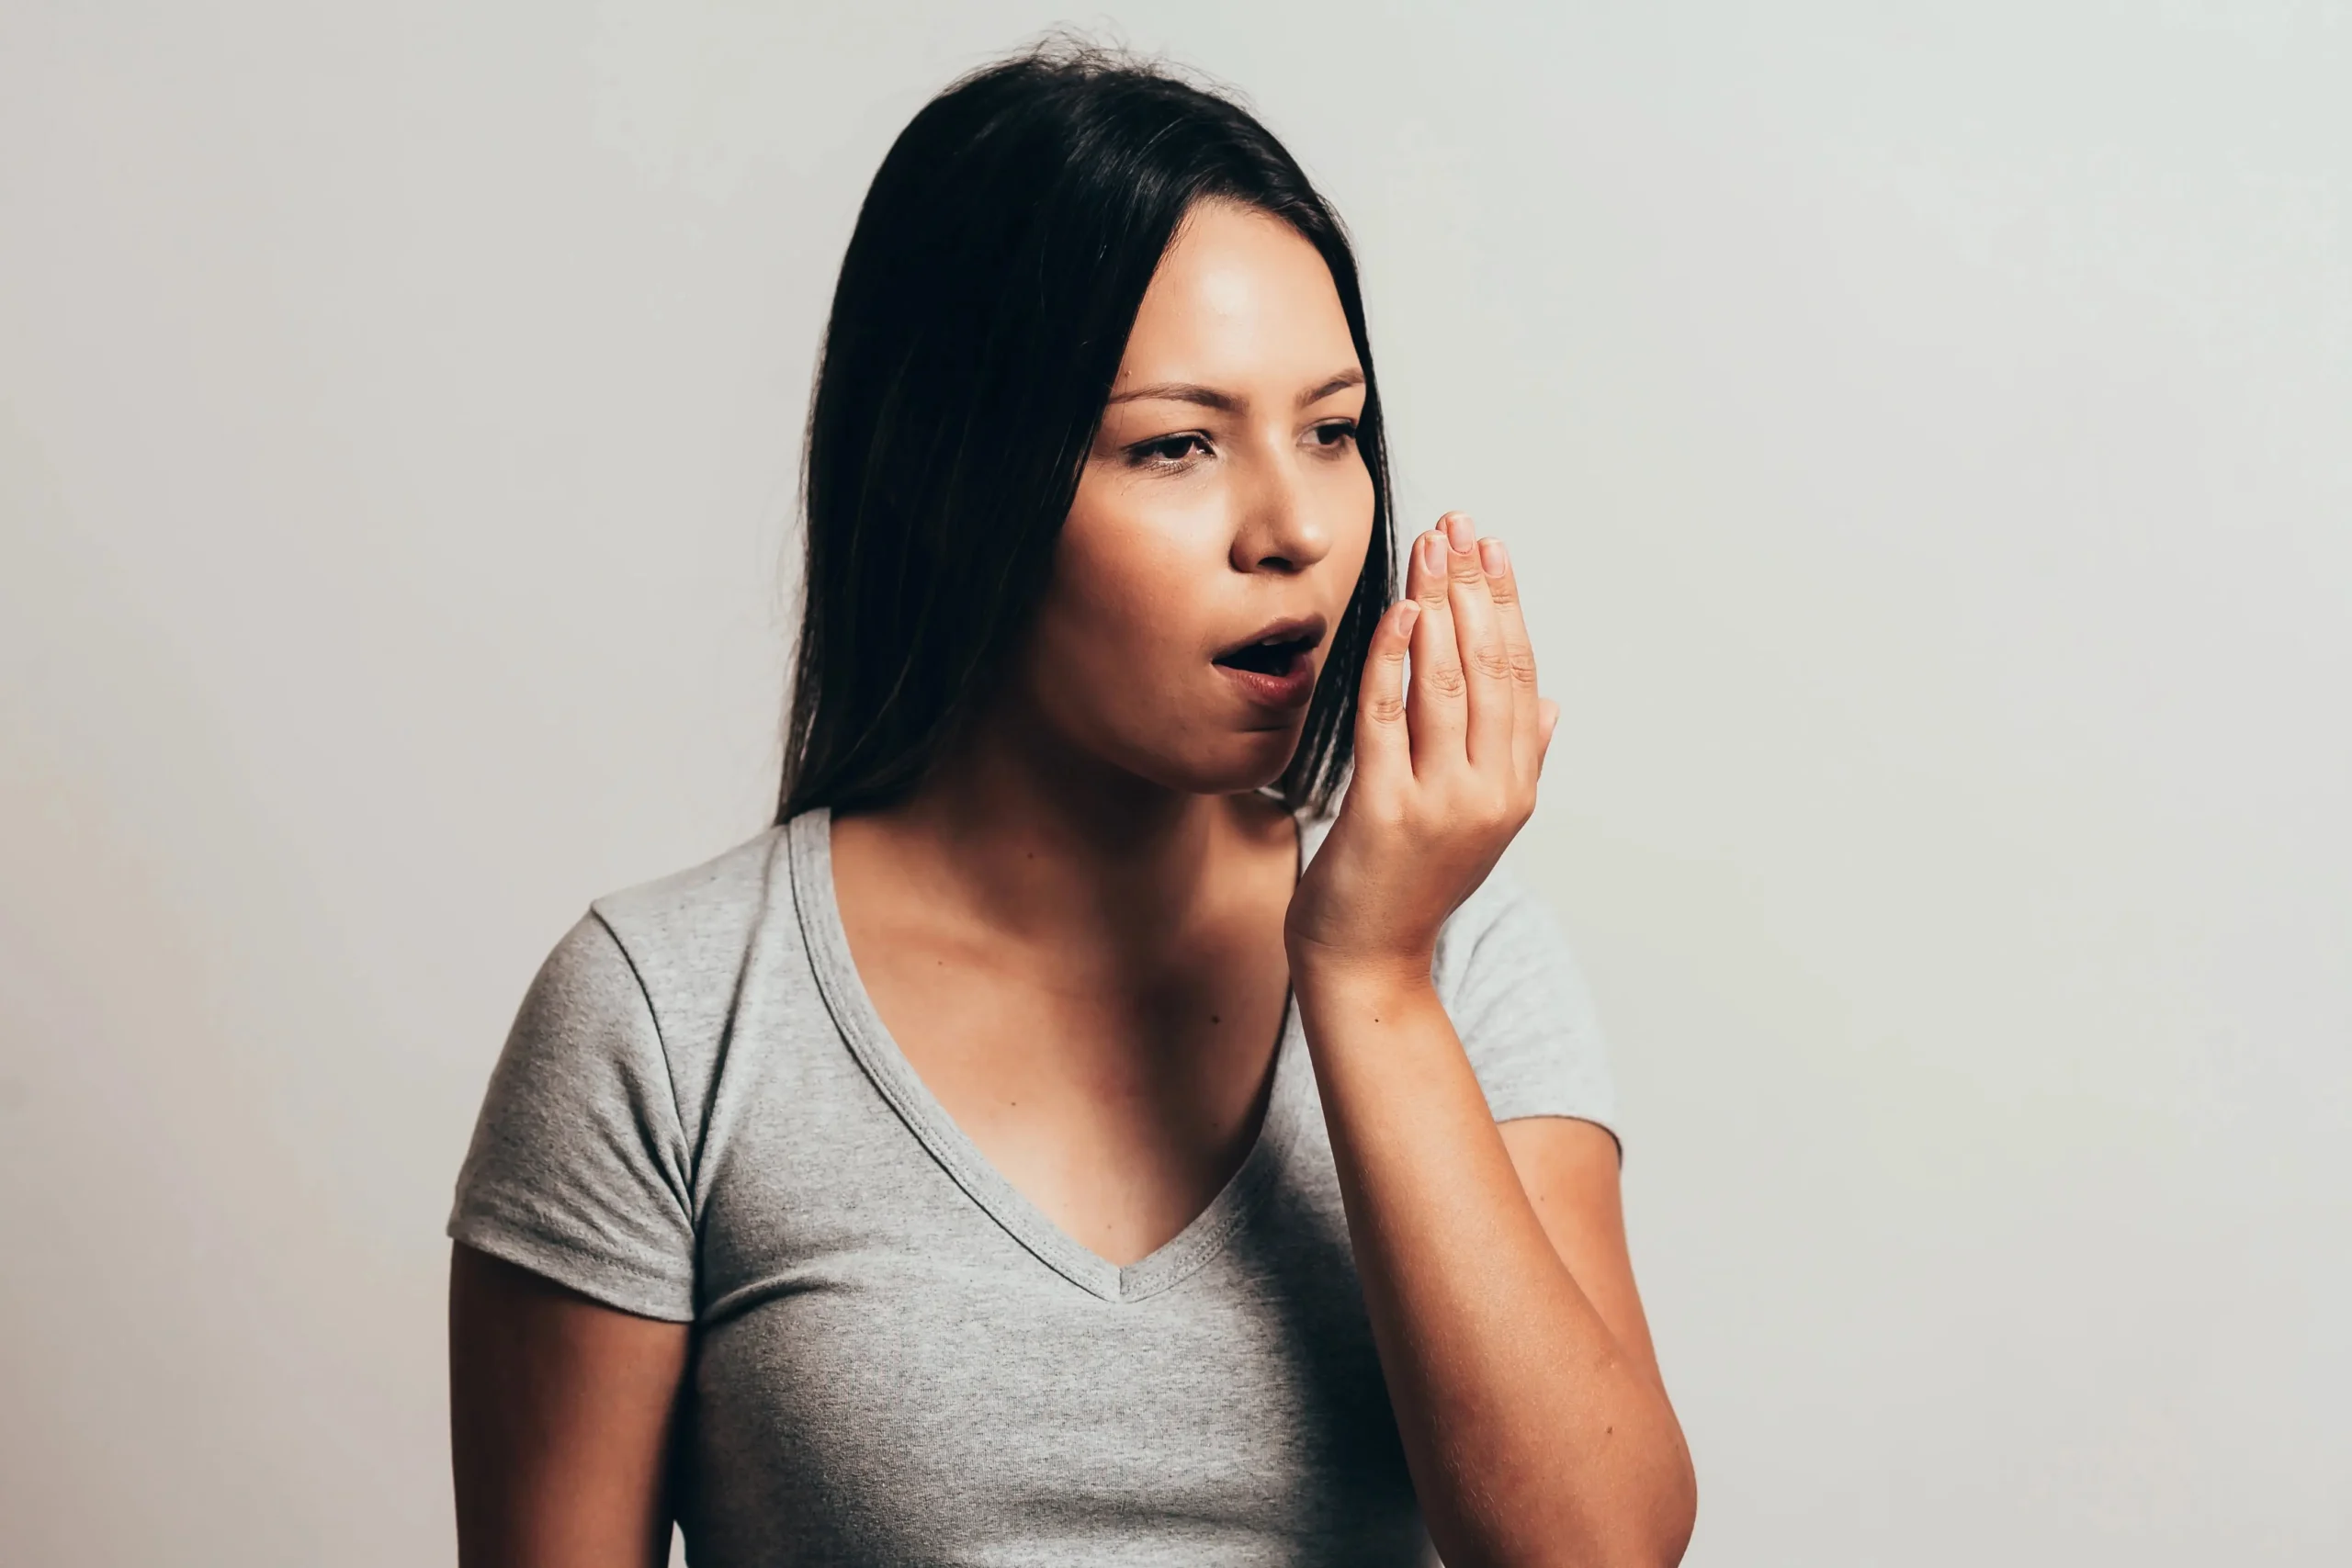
1927 436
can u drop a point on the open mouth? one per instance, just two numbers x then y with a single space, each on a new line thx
1278 648
1271 656
1276 669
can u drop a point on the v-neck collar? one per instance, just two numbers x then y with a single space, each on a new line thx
809 836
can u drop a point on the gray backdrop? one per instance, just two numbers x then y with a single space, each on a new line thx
1927 435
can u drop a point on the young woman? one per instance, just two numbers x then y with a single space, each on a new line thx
1064 1137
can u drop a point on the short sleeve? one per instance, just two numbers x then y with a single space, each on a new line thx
579 1170
1522 1010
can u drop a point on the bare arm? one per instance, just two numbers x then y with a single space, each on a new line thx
1569 1171
1525 1388
561 1411
1492 1259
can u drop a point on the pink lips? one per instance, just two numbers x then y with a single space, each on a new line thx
1290 689
1275 668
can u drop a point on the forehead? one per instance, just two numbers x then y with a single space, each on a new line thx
1240 296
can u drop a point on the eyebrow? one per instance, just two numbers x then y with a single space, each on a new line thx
1210 398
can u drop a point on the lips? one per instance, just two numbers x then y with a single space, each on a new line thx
1275 667
1275 647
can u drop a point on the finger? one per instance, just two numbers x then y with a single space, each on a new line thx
1435 710
1486 668
1502 587
1547 719
1383 743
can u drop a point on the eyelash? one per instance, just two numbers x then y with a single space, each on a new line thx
1153 454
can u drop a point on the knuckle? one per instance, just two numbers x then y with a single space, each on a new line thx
1522 666
1492 662
1445 680
1385 709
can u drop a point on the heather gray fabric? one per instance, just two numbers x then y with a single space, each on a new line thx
900 1361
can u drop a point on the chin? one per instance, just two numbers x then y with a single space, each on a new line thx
1234 765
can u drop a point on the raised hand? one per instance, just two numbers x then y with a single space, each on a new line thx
1445 765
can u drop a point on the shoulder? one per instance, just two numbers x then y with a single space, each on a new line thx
1518 1000
638 956
631 1002
690 939
1506 918
704 909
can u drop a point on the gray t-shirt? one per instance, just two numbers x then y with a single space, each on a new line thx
899 1360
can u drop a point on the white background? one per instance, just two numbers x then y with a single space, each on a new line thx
1928 434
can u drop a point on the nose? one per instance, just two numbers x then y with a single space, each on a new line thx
1278 526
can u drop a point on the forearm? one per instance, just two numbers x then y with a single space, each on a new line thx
1532 1435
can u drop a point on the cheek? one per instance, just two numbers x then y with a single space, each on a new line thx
1350 495
1128 571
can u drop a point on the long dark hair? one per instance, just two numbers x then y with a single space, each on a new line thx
983 307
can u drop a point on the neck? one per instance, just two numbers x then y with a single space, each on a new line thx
1041 839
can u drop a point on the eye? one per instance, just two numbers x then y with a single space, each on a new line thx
1169 451
1332 434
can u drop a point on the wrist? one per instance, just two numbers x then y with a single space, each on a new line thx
1383 982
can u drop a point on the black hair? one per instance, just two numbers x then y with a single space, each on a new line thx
984 304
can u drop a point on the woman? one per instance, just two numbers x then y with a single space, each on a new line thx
1062 1138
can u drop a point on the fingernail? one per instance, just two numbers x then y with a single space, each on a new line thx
1432 553
1491 557
1458 530
1411 612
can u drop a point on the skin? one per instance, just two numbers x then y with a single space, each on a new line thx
1084 937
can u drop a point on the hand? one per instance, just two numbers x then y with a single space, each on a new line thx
1444 773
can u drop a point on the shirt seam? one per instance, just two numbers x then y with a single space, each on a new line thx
503 1218
661 1043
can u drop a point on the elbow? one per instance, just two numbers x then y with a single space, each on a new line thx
1656 1531
1672 1515
1679 1515
1672 1498
1673 1512
1651 1532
